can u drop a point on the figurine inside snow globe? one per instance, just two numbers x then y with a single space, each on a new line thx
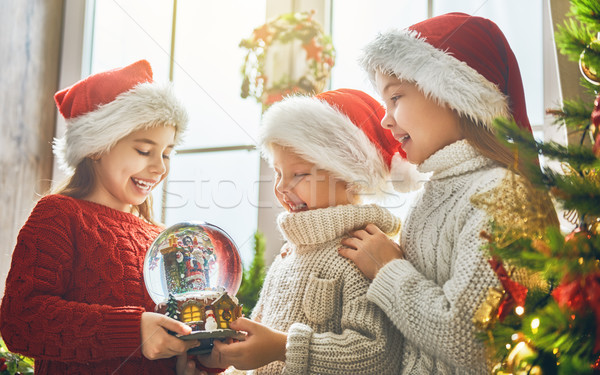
192 271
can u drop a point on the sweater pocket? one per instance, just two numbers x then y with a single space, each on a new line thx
320 299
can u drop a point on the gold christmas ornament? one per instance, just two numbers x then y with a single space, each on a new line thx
486 314
589 72
518 209
516 360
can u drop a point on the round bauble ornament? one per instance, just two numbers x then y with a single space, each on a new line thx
590 73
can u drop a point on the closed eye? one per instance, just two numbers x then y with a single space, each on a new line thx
144 153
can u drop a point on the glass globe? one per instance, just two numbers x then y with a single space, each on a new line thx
192 259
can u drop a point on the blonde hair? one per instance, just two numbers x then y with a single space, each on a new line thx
485 141
82 182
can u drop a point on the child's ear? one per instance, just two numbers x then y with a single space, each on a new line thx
95 157
353 196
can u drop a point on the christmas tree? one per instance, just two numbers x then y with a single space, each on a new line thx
172 308
548 322
253 277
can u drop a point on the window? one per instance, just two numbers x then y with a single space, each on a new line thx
523 29
191 313
214 176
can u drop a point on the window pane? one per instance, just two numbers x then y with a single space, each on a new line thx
220 188
523 29
208 65
350 36
128 31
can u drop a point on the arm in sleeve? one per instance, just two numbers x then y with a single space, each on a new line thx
363 347
438 318
37 320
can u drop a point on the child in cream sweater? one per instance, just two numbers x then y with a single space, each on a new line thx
313 316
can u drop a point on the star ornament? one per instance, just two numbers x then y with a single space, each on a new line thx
517 208
262 33
313 50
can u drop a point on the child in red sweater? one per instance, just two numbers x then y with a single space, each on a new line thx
75 299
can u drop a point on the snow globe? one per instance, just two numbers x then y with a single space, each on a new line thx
192 272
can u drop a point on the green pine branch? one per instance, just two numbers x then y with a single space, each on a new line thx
587 11
572 38
253 277
575 192
575 114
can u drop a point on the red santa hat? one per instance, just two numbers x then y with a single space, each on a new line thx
340 131
459 60
105 107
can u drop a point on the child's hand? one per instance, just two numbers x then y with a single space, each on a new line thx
370 249
157 342
186 366
262 346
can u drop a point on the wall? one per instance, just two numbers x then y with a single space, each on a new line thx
30 35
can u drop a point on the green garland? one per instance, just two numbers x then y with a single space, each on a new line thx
286 29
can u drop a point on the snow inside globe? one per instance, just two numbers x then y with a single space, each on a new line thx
192 271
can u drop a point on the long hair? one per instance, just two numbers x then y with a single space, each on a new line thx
82 183
485 141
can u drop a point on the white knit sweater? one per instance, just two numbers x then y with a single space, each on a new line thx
432 295
319 298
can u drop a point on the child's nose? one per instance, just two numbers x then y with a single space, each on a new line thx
282 185
388 122
158 165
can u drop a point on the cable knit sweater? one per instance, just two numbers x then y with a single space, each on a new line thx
319 297
75 292
431 295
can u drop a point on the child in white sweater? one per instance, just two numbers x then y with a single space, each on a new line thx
313 316
443 81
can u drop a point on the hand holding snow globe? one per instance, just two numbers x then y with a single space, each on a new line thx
192 272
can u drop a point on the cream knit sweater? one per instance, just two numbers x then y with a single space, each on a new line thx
319 298
432 295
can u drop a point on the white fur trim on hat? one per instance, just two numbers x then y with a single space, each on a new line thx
404 54
146 105
405 176
324 136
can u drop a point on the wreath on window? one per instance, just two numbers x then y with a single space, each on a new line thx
289 54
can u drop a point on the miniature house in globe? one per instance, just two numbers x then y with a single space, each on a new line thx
192 272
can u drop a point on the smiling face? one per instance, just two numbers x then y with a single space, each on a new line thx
126 174
300 186
419 123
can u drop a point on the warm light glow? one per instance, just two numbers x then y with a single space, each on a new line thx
535 324
519 310
515 336
507 346
555 351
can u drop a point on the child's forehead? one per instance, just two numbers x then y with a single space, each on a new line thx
289 155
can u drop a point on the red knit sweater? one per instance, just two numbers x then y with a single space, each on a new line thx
75 291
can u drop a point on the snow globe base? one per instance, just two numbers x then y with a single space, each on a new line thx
206 339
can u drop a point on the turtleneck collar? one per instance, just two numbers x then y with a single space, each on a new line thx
314 227
453 160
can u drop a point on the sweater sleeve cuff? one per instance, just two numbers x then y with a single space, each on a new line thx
297 347
382 289
122 331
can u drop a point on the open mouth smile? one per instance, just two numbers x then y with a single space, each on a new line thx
142 184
